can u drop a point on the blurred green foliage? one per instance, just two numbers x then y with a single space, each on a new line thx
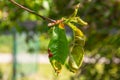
103 32
5 45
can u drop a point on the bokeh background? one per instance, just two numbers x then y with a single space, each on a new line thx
24 38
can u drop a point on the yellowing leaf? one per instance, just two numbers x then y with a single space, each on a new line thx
72 65
57 66
80 21
79 41
76 30
77 54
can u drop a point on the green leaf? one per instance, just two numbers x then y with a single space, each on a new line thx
58 47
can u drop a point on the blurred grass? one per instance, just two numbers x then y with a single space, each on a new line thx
44 72
5 71
47 72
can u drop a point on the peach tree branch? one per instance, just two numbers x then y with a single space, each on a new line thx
33 12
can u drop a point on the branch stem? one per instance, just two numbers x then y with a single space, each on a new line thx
31 11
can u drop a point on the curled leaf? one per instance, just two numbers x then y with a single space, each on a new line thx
77 31
79 41
81 22
77 53
72 65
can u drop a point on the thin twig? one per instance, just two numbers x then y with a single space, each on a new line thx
33 12
54 23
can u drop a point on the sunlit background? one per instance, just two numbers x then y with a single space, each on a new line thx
24 39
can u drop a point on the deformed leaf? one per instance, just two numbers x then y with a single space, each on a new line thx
72 65
77 51
76 30
79 41
77 54
81 22
79 38
75 58
56 65
58 47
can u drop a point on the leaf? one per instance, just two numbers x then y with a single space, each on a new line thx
75 58
79 41
77 31
58 47
77 54
72 65
56 65
81 22
77 51
76 20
